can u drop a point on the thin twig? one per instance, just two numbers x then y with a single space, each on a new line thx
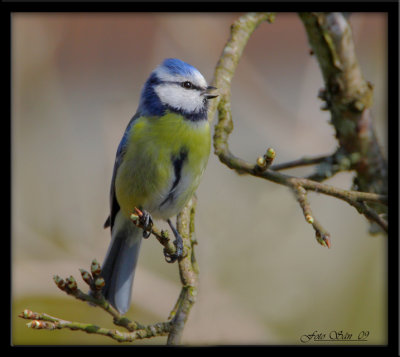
45 321
94 298
240 32
304 161
322 236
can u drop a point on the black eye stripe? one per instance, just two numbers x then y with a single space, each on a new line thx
194 87
189 85
181 85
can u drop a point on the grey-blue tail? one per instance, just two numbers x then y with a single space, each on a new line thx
118 269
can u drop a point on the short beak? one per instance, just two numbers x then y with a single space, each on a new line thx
207 94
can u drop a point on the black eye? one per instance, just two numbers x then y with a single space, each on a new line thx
187 85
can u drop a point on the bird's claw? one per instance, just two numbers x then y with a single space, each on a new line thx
146 222
171 258
178 242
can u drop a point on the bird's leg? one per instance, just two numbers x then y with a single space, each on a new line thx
145 221
178 242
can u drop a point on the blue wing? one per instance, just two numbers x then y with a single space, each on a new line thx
114 206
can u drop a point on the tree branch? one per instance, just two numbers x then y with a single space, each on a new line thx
327 165
173 327
189 273
348 97
304 161
240 32
45 321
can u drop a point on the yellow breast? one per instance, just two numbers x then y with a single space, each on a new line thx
146 174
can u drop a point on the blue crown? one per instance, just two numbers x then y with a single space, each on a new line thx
177 67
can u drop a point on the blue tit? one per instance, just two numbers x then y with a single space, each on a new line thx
159 162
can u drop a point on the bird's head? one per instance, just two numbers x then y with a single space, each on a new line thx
178 87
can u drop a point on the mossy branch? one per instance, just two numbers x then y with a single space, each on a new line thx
189 273
175 323
348 97
341 160
45 321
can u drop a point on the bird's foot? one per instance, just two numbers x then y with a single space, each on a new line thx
178 242
145 221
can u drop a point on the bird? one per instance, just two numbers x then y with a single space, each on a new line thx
158 166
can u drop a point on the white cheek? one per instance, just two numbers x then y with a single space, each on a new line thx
180 98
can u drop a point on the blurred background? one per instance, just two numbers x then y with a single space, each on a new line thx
76 81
